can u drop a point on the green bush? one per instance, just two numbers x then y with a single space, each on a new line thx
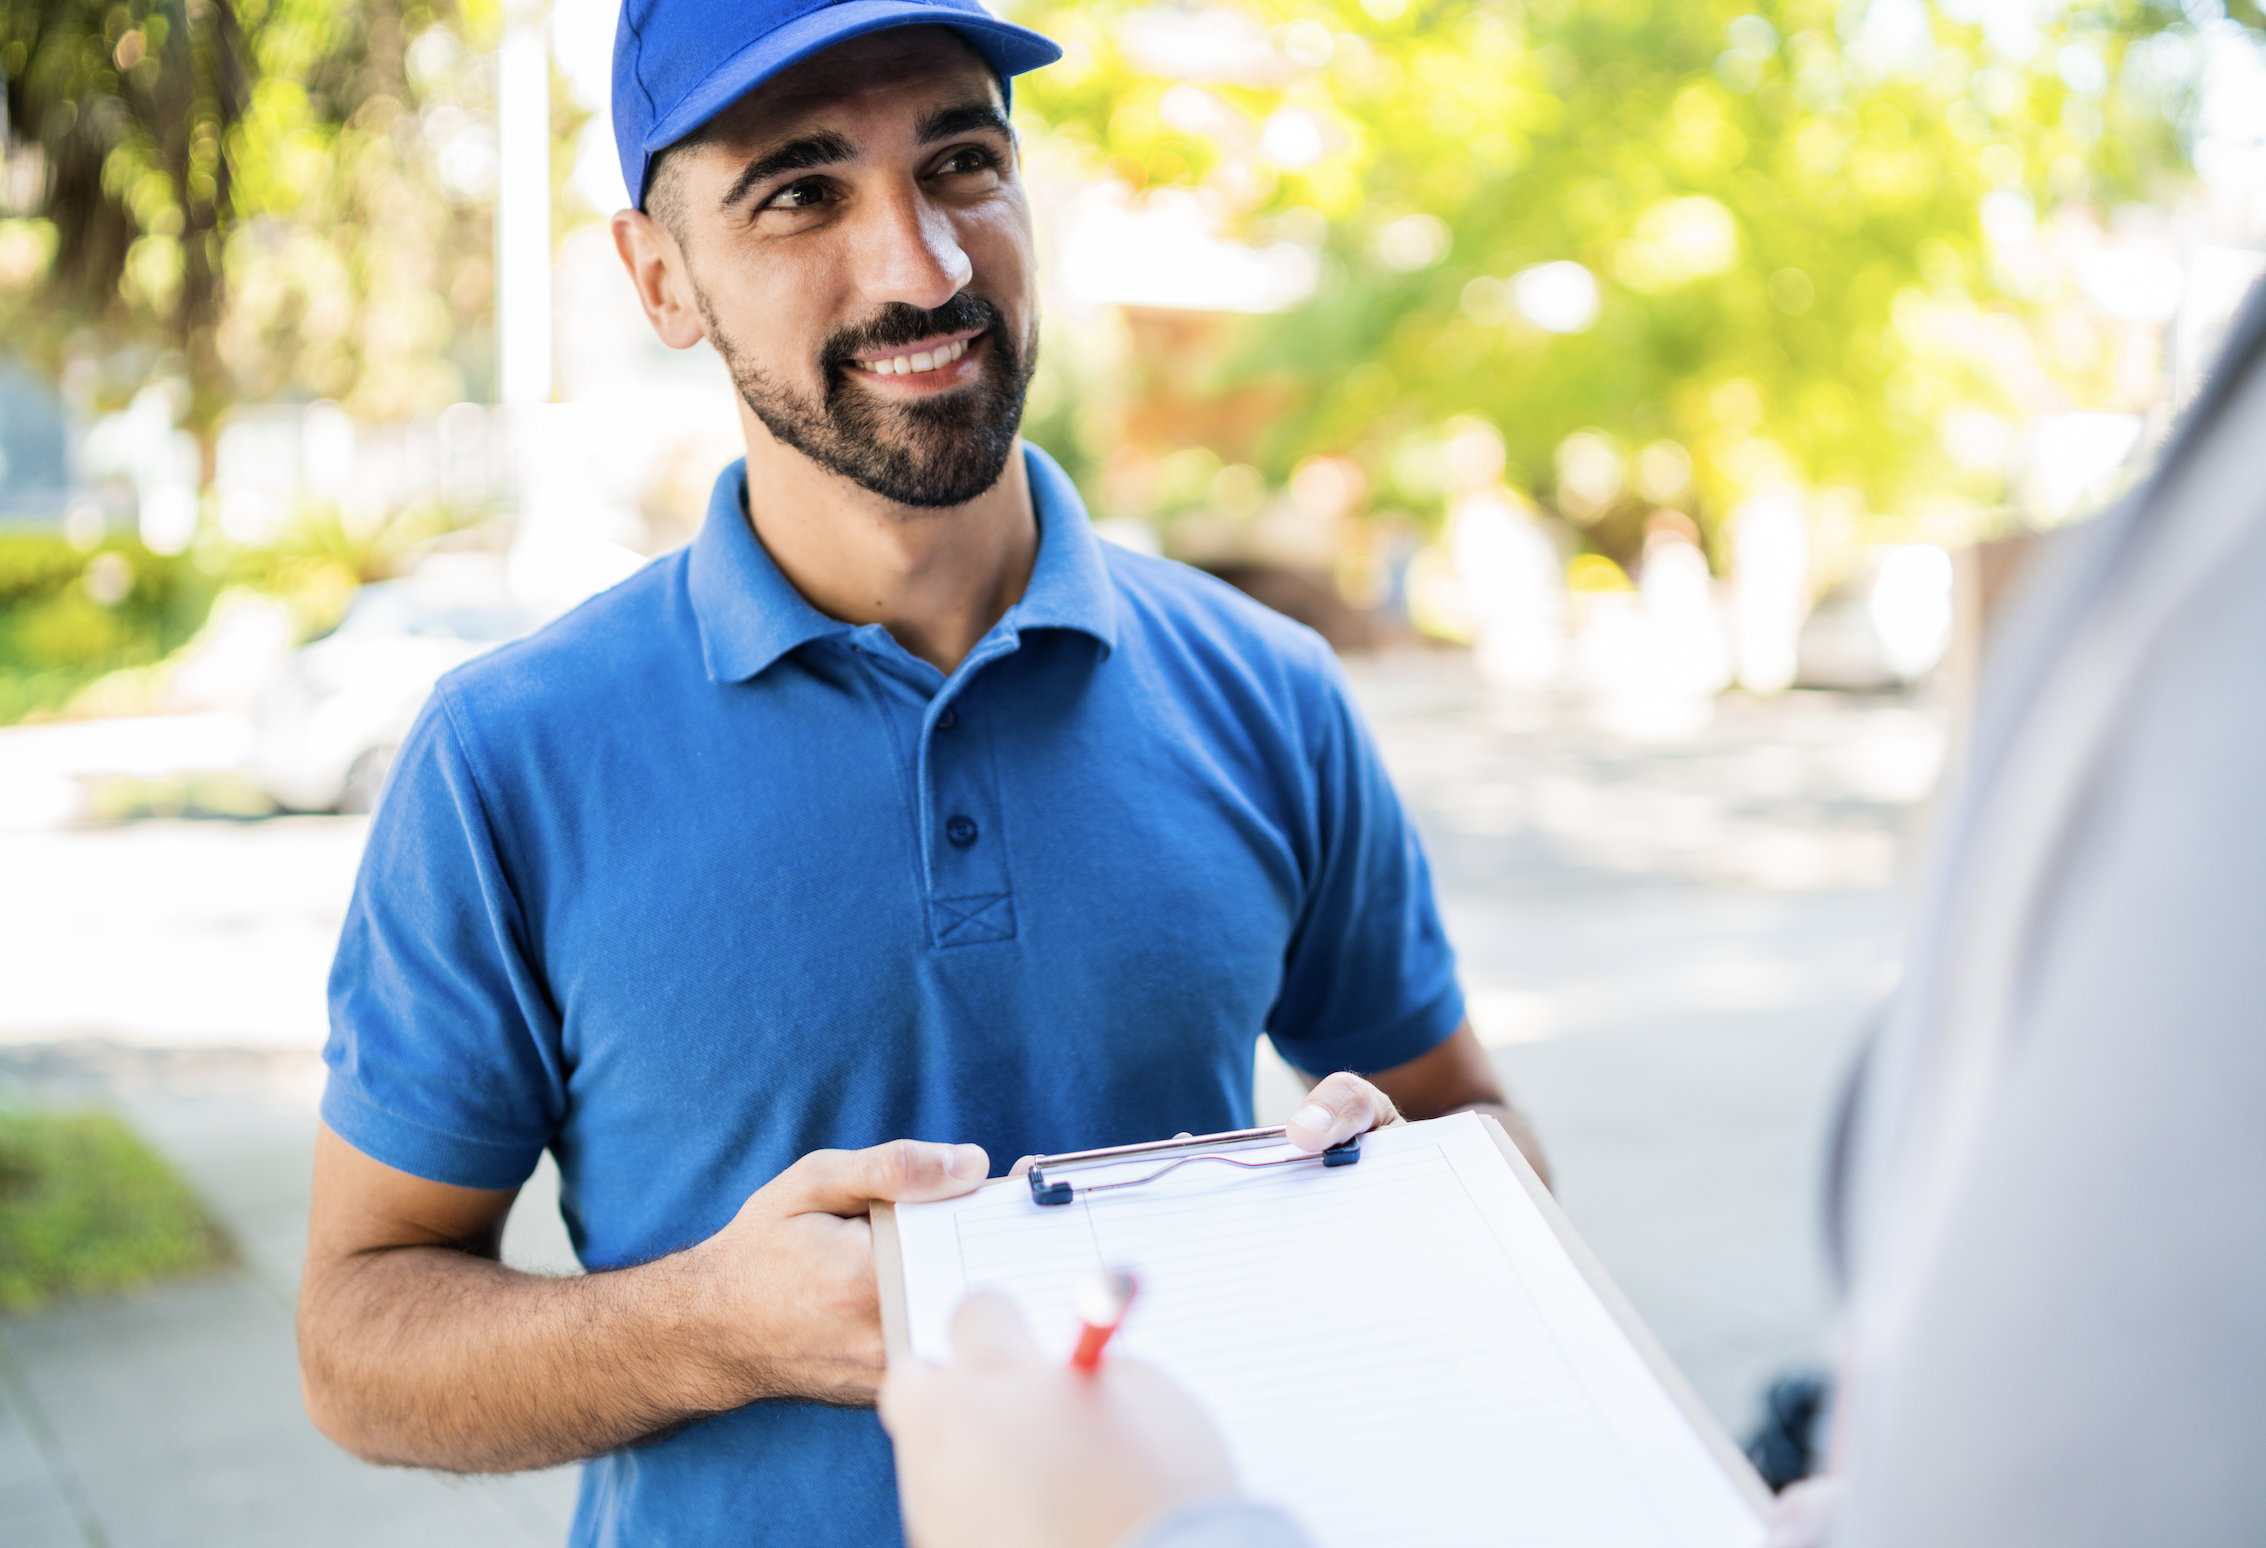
86 1208
67 618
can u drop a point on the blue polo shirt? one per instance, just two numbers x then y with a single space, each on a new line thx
697 880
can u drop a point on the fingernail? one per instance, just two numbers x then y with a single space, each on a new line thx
964 1162
1314 1117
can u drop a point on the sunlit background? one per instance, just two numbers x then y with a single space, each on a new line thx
1649 400
1610 340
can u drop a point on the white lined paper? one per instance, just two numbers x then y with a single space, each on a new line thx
1398 1352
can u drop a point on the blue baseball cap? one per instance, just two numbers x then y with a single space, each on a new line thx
678 63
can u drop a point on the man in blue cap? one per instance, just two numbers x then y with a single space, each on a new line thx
892 826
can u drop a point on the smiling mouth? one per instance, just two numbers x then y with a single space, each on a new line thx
917 362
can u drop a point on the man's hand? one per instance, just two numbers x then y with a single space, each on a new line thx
417 1347
1455 1077
1339 1107
796 1266
1006 1449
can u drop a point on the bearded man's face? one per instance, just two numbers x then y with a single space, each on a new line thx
857 237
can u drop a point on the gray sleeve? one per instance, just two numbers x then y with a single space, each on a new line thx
1221 1524
2084 1358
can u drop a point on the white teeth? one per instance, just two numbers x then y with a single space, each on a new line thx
901 365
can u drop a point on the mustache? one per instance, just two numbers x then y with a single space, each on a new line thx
898 324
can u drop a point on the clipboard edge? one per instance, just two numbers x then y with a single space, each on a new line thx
889 1278
889 1273
1726 1452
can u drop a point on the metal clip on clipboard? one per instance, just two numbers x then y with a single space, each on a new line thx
1049 1186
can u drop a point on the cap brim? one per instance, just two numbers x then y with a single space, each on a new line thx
1007 48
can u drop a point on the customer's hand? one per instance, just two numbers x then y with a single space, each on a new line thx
788 1287
1803 1516
1339 1107
1004 1448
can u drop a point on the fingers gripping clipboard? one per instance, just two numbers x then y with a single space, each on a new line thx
1416 1349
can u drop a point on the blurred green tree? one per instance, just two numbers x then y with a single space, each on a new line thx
256 195
129 109
1774 206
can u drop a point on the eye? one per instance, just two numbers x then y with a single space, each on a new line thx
968 158
799 196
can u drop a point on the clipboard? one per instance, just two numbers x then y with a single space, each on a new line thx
1734 1501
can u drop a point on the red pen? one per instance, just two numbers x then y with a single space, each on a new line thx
1101 1303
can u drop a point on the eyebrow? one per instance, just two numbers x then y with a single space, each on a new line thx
821 149
963 118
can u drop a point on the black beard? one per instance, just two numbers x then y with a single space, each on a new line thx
927 453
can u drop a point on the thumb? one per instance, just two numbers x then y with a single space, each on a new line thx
1339 1107
845 1182
988 1330
912 1392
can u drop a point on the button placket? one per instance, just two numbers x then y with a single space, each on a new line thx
970 892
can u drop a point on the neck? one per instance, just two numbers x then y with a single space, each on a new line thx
936 579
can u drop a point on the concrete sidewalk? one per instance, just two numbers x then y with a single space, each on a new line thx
173 1418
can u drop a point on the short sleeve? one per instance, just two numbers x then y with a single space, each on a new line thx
1370 980
444 1049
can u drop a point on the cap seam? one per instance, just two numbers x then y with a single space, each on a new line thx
652 109
637 70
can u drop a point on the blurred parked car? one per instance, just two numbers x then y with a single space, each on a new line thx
1885 627
327 729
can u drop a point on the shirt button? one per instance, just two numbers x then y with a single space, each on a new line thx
961 831
946 719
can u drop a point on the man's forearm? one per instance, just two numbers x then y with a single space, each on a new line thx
417 1347
433 1357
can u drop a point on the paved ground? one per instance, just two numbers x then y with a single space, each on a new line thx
173 1417
1671 947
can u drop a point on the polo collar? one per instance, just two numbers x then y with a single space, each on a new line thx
750 614
1070 585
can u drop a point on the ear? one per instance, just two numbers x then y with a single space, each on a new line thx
664 283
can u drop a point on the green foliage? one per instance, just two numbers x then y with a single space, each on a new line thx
86 1208
1780 210
362 272
321 542
128 106
246 192
67 618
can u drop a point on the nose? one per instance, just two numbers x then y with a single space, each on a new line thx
909 252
